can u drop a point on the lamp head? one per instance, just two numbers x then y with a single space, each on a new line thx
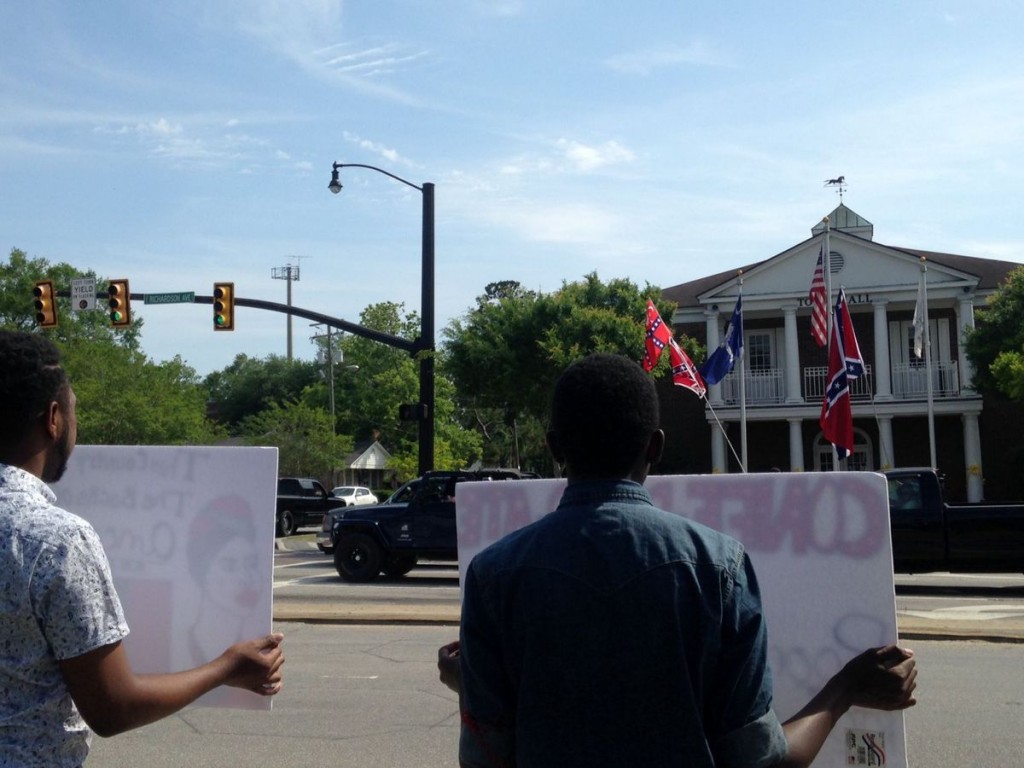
335 185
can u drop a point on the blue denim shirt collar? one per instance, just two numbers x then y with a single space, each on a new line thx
594 492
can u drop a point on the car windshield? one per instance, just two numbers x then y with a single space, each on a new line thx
343 491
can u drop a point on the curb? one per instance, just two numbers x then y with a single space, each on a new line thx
908 627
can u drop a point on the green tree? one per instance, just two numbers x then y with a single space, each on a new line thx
367 400
123 397
505 354
250 384
17 279
126 399
303 435
995 346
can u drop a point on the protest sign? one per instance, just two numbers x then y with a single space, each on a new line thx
820 543
189 532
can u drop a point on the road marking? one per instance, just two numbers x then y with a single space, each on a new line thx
304 562
971 613
349 677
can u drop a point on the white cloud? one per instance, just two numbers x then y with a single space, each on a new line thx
499 7
586 158
372 61
645 62
388 153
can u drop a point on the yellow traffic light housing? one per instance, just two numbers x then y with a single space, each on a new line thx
46 304
223 306
120 304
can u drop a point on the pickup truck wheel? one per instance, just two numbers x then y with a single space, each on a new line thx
285 523
357 558
399 565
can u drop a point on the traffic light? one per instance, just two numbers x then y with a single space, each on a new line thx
411 412
120 304
46 304
223 306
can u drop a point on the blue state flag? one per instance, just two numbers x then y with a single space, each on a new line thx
729 351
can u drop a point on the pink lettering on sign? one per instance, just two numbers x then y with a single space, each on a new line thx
799 514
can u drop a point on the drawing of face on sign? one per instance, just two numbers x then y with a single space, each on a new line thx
224 562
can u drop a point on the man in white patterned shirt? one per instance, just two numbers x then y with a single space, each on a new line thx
63 669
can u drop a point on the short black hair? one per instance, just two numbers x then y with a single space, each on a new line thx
603 413
31 378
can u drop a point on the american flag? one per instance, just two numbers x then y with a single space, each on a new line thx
819 302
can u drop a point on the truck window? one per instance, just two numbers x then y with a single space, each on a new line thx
905 493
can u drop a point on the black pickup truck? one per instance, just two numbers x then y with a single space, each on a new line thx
302 501
417 522
929 534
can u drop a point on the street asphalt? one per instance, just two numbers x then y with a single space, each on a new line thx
1002 627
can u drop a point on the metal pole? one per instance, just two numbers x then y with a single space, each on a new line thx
424 345
289 280
928 363
330 378
426 350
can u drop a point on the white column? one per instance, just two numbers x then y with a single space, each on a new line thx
965 322
972 458
711 321
796 445
886 457
792 357
718 462
883 381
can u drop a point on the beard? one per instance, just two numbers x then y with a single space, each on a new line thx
57 462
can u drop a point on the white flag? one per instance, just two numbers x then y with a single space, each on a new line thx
920 317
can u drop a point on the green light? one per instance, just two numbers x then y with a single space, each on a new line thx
116 316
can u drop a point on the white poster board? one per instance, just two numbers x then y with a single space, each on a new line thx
821 546
189 532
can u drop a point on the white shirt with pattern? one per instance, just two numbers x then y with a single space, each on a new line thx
57 601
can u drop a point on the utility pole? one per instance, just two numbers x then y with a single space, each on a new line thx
291 274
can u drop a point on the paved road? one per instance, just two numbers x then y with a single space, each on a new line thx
931 606
368 697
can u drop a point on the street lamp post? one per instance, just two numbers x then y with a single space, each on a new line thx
424 345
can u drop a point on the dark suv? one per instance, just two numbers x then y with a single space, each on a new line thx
416 522
302 501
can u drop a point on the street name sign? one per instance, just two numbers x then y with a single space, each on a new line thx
183 297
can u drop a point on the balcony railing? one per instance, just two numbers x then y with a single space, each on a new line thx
815 378
765 387
909 382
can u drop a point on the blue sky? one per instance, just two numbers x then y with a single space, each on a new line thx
180 143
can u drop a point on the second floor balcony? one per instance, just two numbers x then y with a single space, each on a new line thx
908 382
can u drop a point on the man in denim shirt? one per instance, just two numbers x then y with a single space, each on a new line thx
614 633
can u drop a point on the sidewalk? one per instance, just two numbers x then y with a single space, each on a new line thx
1003 629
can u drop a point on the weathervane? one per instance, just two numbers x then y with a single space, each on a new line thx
840 182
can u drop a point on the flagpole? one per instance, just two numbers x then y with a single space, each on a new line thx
828 281
928 361
721 427
743 387
826 265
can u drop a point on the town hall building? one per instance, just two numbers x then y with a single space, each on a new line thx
895 417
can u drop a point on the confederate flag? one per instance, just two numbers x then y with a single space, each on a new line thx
658 335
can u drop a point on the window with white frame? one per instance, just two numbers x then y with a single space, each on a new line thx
858 461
